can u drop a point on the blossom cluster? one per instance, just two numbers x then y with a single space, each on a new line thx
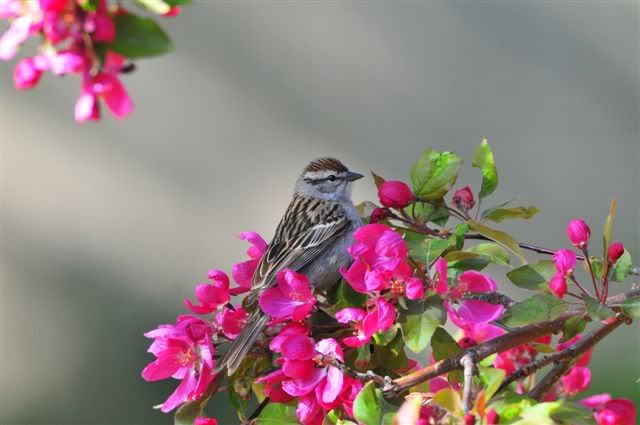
80 37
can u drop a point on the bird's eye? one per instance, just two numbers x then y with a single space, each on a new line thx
331 178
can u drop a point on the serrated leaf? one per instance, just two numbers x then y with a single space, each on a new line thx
450 400
572 327
493 252
534 276
434 174
366 406
491 378
418 328
138 37
622 268
500 214
631 307
483 159
443 345
498 236
597 310
539 308
277 414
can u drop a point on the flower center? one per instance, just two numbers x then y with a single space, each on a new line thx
397 287
185 358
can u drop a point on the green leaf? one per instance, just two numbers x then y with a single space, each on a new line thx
500 214
138 37
559 412
89 5
178 2
345 296
443 345
187 413
631 307
572 327
366 406
608 229
426 212
434 174
491 378
418 328
509 406
392 356
622 268
450 400
422 248
539 308
483 159
534 276
498 236
277 414
597 310
156 6
492 252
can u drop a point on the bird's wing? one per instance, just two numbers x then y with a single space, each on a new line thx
308 229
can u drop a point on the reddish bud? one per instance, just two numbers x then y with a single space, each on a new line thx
615 251
469 419
565 261
379 214
463 198
558 285
395 194
466 342
578 233
492 417
26 74
172 12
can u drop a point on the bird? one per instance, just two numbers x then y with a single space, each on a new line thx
312 238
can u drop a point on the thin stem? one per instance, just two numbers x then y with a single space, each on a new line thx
545 385
367 376
593 276
491 298
259 409
574 280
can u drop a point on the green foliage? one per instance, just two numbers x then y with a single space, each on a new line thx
493 252
138 37
500 214
419 325
622 268
344 296
443 345
555 413
88 5
498 236
534 276
631 307
491 379
597 310
608 229
450 400
539 308
424 249
367 407
187 413
434 174
571 327
278 414
426 212
483 159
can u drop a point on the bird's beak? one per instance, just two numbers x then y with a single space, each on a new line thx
351 176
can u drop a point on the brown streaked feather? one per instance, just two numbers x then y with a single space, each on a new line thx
324 164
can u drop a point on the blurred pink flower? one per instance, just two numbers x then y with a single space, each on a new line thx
565 261
395 194
231 321
273 386
211 295
611 411
291 298
471 311
201 420
576 381
243 272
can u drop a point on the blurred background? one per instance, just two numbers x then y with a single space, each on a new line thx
107 227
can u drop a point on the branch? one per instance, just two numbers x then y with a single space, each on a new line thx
530 368
527 246
491 298
512 339
582 346
468 363
367 376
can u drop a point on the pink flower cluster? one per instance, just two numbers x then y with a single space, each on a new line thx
186 350
611 411
307 372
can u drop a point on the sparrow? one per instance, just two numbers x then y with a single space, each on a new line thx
312 238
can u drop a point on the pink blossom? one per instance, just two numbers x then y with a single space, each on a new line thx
379 214
395 194
565 261
577 380
616 250
578 233
463 198
172 12
290 329
584 359
180 356
231 321
291 298
243 272
201 420
211 295
440 277
18 32
558 285
66 62
482 332
492 417
471 311
365 324
611 411
273 386
101 26
26 74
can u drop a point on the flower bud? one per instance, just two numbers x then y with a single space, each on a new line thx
565 261
463 198
469 419
616 250
172 12
558 285
26 74
466 342
379 214
492 417
395 194
578 233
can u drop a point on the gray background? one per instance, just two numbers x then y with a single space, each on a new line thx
105 228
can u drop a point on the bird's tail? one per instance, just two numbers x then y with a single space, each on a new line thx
243 342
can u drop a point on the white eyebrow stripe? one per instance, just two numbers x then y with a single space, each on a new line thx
320 175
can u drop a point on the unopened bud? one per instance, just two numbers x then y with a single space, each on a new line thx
469 419
379 214
395 194
615 252
578 233
463 198
492 417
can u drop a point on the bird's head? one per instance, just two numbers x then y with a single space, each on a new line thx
328 179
